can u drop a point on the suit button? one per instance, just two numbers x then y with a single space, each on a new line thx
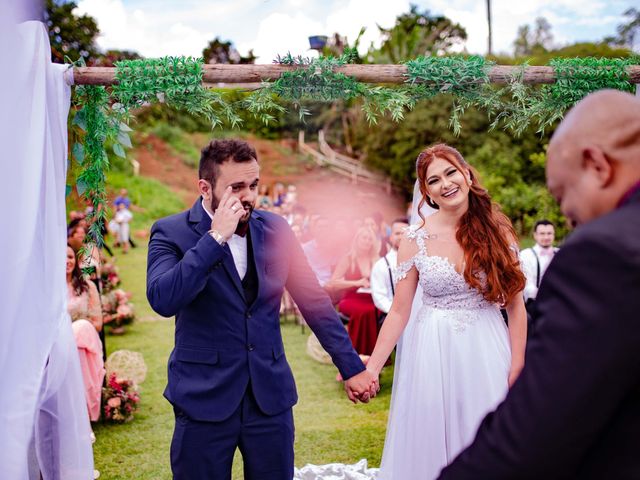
247 315
251 347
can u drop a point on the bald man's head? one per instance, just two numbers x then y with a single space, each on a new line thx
594 156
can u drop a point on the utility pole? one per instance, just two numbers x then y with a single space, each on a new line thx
490 49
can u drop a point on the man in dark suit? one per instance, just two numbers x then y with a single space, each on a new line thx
221 268
574 412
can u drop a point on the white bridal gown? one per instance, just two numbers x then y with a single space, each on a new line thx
451 369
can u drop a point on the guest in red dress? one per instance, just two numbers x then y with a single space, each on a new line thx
352 274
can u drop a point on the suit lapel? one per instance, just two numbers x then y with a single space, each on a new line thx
202 224
256 228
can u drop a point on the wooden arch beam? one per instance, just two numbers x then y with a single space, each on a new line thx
223 73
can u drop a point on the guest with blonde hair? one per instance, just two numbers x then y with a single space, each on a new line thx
352 276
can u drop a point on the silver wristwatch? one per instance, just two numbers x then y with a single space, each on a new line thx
217 236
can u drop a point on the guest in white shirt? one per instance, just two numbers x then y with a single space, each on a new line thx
536 259
382 273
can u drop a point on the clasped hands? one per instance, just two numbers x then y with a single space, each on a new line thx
363 386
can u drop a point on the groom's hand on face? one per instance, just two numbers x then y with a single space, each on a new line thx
227 215
362 387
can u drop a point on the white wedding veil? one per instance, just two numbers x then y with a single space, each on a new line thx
414 219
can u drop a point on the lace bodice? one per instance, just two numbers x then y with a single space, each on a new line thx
442 286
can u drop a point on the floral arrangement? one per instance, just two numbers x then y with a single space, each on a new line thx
109 276
117 311
121 399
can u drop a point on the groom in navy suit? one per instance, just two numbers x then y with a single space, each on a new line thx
221 268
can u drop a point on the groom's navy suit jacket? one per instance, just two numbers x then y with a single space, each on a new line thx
222 343
575 410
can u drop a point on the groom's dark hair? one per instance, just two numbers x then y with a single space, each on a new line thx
221 151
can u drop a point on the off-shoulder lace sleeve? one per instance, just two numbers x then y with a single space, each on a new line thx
402 269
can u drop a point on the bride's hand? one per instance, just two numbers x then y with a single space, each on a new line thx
514 373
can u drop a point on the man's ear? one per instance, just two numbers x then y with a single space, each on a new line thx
205 189
595 161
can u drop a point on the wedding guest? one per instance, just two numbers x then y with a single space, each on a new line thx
383 271
291 197
264 201
352 277
536 259
122 199
122 218
89 255
575 410
83 305
319 250
376 223
279 195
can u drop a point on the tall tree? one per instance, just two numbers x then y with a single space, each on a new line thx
218 51
70 35
417 33
533 41
490 35
627 32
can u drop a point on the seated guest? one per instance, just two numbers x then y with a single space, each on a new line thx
279 195
352 276
376 222
90 258
83 305
264 201
382 274
319 250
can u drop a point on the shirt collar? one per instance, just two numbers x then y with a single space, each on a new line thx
206 209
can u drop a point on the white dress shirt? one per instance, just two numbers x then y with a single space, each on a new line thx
381 290
530 267
238 247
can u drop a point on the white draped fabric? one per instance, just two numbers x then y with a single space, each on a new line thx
43 415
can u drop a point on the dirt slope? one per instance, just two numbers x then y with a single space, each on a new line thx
319 190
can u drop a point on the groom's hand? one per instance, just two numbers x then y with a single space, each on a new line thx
227 215
362 387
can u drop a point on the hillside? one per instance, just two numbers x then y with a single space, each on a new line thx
319 190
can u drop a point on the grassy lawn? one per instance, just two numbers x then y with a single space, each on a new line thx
328 427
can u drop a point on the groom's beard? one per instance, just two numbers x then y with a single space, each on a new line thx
248 210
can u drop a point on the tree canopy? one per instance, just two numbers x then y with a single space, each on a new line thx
72 36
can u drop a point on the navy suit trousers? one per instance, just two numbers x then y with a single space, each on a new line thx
205 450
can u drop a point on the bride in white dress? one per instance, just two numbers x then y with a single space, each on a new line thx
458 358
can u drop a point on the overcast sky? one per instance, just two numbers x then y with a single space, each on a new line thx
156 28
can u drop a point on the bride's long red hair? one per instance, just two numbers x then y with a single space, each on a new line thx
484 232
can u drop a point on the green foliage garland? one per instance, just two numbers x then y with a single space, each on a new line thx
576 78
466 79
102 115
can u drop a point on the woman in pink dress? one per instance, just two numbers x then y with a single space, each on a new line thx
83 305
